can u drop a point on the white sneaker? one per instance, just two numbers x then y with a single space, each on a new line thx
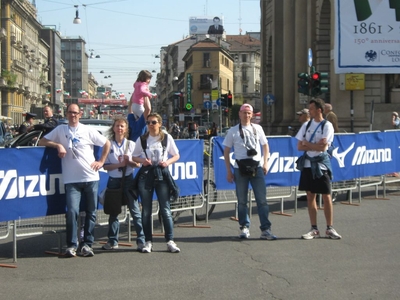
244 233
148 246
313 233
172 247
86 251
108 246
332 234
70 252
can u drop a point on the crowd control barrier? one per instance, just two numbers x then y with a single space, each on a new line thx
32 196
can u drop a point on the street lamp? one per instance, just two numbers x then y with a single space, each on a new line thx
77 20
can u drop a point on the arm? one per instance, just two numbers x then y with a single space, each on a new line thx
96 165
125 162
144 90
265 148
50 124
305 145
170 160
60 148
229 174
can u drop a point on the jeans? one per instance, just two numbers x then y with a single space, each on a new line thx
163 192
260 192
134 209
74 193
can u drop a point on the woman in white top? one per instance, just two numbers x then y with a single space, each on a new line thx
155 159
118 158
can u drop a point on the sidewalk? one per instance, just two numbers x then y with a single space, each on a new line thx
215 264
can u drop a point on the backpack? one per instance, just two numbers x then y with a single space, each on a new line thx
331 147
143 142
175 130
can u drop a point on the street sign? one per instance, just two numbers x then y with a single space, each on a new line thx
207 104
269 99
218 101
303 99
309 57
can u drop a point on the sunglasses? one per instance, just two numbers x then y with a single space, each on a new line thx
151 122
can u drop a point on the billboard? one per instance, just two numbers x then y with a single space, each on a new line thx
367 36
206 25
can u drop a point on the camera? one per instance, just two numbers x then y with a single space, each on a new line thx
251 152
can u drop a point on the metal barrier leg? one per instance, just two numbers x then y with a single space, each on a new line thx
194 224
281 213
14 248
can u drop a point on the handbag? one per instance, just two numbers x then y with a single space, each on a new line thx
114 198
248 166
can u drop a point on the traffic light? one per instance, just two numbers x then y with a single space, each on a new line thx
315 84
303 83
224 100
226 112
324 82
230 100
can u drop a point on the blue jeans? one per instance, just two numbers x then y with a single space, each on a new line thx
134 209
162 191
74 193
260 192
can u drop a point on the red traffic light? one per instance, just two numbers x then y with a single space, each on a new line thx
315 76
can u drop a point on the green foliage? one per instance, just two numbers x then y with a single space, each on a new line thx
10 77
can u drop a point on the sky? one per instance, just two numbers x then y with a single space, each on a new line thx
128 34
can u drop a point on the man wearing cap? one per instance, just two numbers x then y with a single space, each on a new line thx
303 115
29 118
395 120
251 166
50 122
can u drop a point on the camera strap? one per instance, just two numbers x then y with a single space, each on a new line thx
241 131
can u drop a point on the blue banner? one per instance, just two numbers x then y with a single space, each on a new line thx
31 180
354 156
31 183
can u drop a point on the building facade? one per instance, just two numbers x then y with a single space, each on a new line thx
289 29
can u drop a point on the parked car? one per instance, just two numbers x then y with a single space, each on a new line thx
31 138
4 135
203 132
224 131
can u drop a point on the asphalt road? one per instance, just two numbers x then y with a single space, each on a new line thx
215 264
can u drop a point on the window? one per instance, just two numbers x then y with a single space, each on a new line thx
244 74
244 57
244 89
206 81
206 60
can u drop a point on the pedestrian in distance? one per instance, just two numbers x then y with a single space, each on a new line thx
251 166
156 150
193 130
331 117
316 171
29 119
395 120
74 142
174 131
141 95
119 157
50 122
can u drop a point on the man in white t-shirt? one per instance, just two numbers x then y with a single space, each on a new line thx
74 143
316 171
251 152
